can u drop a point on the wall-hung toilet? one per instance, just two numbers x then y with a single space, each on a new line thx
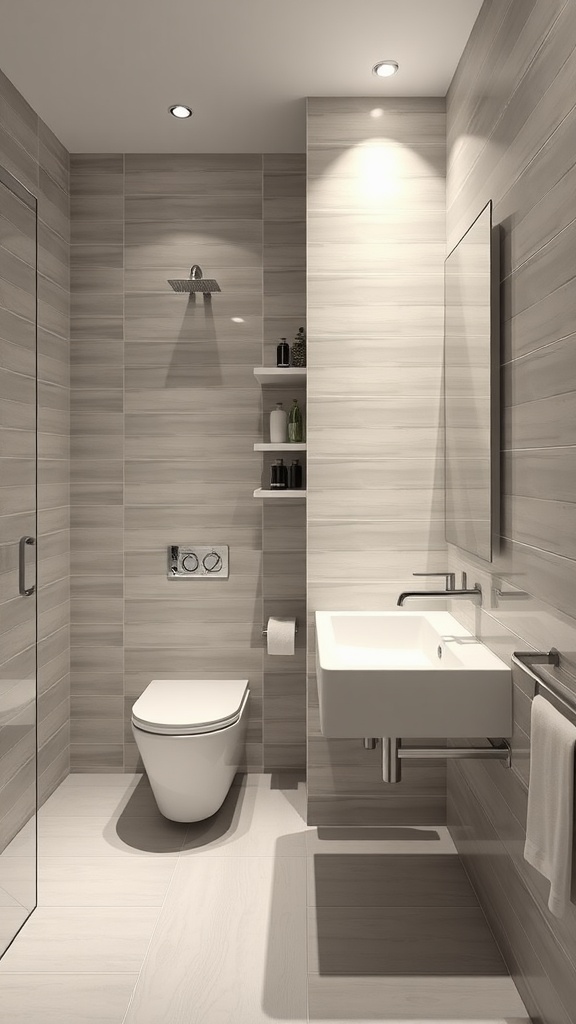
191 734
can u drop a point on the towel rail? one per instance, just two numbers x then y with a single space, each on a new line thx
563 703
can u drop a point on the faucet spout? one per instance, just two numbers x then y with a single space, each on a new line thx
473 593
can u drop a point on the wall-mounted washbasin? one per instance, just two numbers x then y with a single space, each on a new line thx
408 674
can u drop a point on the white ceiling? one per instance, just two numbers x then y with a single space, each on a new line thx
102 73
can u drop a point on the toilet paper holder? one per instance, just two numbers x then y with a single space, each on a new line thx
265 631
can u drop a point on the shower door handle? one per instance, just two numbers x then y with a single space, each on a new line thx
24 590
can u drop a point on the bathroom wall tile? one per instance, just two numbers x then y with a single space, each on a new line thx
193 174
525 176
108 256
35 156
375 445
95 757
193 208
96 232
232 243
190 417
95 174
94 329
145 664
18 117
17 160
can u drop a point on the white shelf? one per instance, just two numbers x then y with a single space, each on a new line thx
280 493
279 374
281 446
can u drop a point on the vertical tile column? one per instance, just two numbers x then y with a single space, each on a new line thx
53 462
284 524
192 417
97 425
376 244
33 154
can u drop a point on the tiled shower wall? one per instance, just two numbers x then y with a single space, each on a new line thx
32 154
376 246
511 130
165 414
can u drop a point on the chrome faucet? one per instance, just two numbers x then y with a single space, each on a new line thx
450 591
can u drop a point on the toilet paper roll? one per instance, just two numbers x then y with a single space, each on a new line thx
281 635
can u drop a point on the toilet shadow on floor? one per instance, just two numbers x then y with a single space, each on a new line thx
141 826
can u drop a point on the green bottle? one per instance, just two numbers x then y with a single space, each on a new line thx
295 424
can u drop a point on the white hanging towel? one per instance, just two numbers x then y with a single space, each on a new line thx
549 827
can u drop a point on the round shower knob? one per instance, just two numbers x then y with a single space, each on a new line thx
190 562
212 562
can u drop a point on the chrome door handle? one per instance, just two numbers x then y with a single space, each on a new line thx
23 589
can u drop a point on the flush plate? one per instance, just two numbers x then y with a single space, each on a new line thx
198 562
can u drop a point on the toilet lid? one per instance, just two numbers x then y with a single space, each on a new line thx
189 706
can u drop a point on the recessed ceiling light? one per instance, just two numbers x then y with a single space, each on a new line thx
385 68
178 110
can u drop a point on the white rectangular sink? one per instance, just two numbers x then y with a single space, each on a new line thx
408 674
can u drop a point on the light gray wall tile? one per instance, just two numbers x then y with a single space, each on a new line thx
164 427
375 445
33 154
524 165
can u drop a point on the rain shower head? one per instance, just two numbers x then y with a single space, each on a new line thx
195 283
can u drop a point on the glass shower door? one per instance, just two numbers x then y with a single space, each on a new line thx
18 625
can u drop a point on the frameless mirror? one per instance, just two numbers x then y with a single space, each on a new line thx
471 393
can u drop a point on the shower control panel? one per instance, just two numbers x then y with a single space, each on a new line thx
198 562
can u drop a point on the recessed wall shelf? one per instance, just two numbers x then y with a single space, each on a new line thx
281 446
280 493
279 375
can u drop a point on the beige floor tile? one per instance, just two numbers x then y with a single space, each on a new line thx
393 839
425 1020
103 836
24 842
104 881
388 880
11 919
98 940
135 800
414 999
254 821
86 780
382 941
6 900
65 998
239 956
18 879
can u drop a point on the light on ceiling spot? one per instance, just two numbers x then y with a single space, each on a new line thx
385 68
178 110
237 319
376 112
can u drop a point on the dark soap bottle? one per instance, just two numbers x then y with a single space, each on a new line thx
283 353
278 475
295 476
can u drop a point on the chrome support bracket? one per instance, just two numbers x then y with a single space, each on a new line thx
393 753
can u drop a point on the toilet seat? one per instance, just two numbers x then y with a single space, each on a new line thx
188 707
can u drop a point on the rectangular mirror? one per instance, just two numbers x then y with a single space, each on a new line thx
471 391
